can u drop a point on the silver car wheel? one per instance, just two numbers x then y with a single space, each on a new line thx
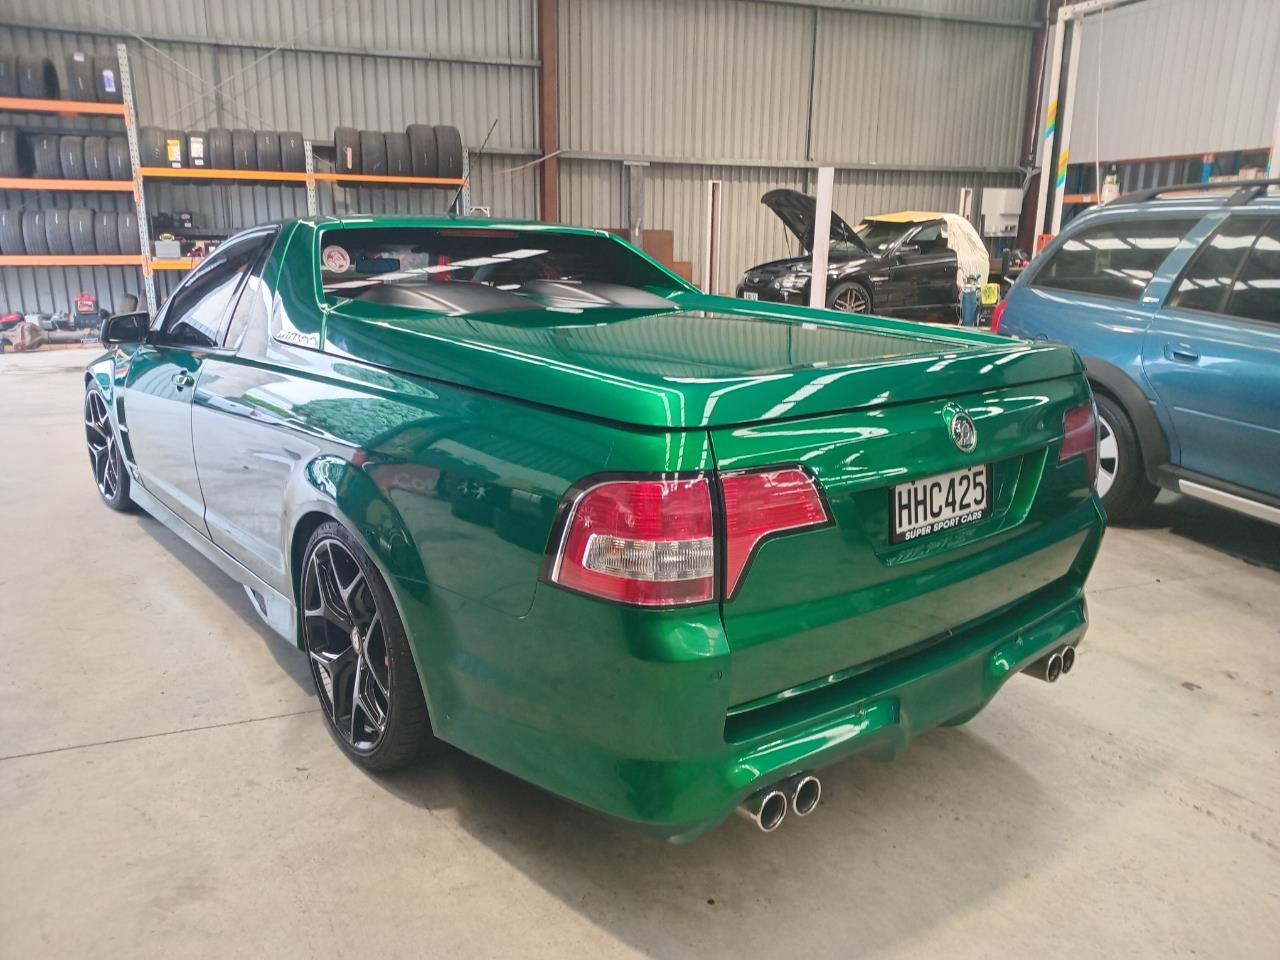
1108 457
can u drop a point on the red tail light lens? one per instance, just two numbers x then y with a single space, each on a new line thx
760 504
997 315
1080 437
646 542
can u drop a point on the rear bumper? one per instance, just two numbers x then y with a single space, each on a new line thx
649 739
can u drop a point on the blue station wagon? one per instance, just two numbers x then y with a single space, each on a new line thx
1172 299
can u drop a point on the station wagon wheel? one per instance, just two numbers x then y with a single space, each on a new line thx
104 452
850 298
358 654
1108 457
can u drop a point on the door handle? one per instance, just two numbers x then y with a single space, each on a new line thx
1181 352
183 380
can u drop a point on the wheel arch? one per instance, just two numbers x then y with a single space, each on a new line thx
1106 377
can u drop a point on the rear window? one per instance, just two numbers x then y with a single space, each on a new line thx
353 261
1115 259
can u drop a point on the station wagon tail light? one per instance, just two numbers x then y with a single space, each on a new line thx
997 315
760 504
1080 437
645 542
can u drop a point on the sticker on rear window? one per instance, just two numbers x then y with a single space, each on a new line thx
335 259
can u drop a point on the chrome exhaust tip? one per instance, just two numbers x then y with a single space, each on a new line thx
806 791
766 809
1068 655
1047 668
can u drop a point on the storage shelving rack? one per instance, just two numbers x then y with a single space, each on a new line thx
50 185
307 179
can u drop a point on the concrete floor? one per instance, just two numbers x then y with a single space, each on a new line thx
168 789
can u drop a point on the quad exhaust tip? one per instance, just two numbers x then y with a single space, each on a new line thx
768 808
1053 665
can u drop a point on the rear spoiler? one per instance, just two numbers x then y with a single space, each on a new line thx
1245 190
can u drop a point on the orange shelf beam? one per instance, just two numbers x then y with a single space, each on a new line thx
375 178
86 186
176 263
205 173
73 260
29 105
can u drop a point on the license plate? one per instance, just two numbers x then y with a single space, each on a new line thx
941 502
749 295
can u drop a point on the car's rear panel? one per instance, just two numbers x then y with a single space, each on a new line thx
817 606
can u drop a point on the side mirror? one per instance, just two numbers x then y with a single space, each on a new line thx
125 328
907 249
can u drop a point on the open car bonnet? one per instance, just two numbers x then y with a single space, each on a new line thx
798 212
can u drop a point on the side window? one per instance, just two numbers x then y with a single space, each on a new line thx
1116 259
1256 292
1208 278
929 238
249 299
196 312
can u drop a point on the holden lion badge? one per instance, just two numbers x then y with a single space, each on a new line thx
964 434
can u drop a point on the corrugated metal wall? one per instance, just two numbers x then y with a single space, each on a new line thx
911 109
1178 77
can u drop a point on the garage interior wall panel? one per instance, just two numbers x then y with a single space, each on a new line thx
1170 79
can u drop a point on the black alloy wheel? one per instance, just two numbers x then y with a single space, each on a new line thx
104 452
850 298
359 657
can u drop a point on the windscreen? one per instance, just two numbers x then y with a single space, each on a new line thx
354 261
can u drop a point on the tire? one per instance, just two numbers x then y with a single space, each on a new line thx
8 75
175 148
221 154
106 80
82 238
373 153
71 156
37 78
127 232
399 155
109 474
292 154
1124 488
57 230
15 153
96 166
106 236
197 150
118 158
448 152
11 242
849 297
44 155
268 150
422 149
80 79
371 673
151 147
346 150
244 150
34 240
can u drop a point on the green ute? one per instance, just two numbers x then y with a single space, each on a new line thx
660 552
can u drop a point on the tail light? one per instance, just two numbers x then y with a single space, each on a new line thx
762 504
647 542
997 315
1080 437
653 541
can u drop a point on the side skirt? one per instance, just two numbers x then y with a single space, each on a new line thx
275 609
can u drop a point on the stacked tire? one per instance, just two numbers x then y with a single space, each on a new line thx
77 230
63 157
222 149
420 150
88 78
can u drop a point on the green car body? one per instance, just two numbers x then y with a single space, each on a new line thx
446 443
